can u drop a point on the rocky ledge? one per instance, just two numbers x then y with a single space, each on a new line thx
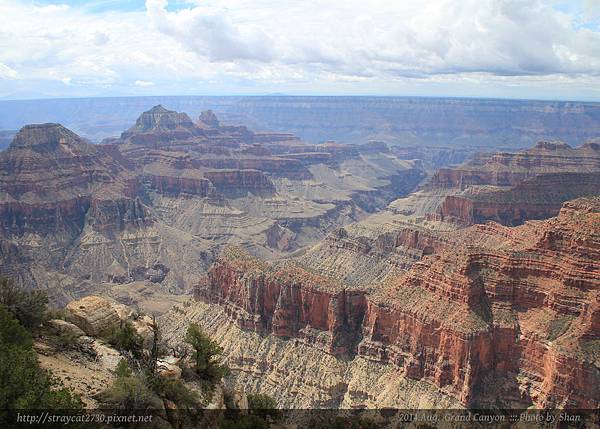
511 188
518 312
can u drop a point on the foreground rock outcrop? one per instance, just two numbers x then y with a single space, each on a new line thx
93 314
500 317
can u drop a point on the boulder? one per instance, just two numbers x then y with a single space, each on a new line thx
93 314
168 367
59 326
143 326
239 400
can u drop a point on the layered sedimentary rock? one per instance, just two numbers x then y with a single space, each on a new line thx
513 187
485 123
71 210
266 188
495 316
157 203
93 314
285 301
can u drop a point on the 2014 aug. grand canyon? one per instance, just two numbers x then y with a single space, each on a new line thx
322 259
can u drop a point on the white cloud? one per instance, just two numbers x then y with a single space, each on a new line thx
6 72
503 37
52 8
143 83
357 46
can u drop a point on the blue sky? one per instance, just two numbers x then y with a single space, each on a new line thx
471 48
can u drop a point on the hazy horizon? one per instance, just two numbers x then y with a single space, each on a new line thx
307 95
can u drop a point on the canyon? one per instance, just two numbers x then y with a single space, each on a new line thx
333 275
497 317
456 123
158 203
413 308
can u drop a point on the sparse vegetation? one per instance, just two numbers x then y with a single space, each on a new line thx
23 383
65 340
29 308
263 406
123 370
56 313
126 338
176 391
559 326
131 392
206 354
140 386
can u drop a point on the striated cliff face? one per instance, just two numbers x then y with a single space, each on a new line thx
511 188
511 168
499 317
72 214
285 301
157 204
538 197
49 178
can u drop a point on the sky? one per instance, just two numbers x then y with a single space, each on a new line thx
461 48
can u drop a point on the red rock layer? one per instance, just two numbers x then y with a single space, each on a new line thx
519 311
511 188
50 177
285 301
539 197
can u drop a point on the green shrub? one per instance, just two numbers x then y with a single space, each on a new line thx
23 383
130 393
123 370
263 405
126 338
206 354
260 401
176 391
29 308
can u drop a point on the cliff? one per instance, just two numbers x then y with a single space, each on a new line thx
285 301
49 176
511 188
170 193
517 312
538 197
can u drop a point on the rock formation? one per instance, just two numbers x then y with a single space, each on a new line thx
93 314
495 316
335 274
513 187
157 203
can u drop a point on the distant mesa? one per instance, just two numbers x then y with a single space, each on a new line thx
511 188
552 145
45 137
209 119
159 118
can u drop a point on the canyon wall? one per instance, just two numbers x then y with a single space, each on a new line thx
517 314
